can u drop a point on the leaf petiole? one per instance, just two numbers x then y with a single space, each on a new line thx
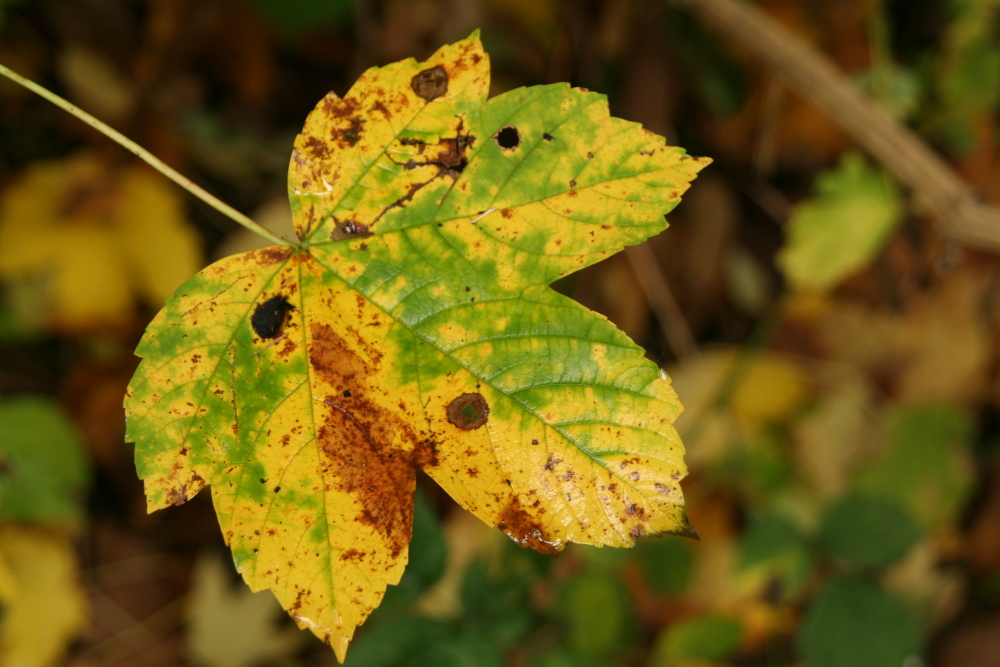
146 156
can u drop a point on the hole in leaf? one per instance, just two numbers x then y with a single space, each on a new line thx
269 317
507 137
468 411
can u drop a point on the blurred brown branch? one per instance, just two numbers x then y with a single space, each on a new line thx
932 180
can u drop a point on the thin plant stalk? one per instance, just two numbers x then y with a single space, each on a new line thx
145 155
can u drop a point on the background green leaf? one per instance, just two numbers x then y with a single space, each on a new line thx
43 468
852 623
842 228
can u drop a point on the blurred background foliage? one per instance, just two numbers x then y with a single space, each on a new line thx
836 353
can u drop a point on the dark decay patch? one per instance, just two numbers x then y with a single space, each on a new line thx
273 255
351 135
357 443
430 83
468 411
507 138
525 530
269 317
187 491
349 229
633 510
450 161
547 136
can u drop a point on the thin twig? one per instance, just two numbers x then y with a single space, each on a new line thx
901 151
660 297
146 156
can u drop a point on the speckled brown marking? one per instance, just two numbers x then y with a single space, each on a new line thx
273 254
318 150
425 454
187 491
525 530
430 83
356 442
507 213
349 229
468 411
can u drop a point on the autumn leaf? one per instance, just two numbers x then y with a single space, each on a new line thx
230 627
42 602
95 239
412 326
842 228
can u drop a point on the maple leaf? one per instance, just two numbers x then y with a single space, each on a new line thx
412 326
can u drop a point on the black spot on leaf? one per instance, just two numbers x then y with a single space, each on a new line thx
430 83
269 317
468 411
547 136
507 138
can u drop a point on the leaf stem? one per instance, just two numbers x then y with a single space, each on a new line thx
146 156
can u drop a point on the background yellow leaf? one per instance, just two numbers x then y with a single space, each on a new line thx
44 606
95 238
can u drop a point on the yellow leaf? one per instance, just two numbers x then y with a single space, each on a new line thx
95 240
412 327
44 605
160 248
230 626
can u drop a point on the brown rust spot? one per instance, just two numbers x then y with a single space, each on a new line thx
634 510
551 464
349 229
430 83
526 531
357 442
507 213
468 411
187 491
273 255
425 454
349 135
